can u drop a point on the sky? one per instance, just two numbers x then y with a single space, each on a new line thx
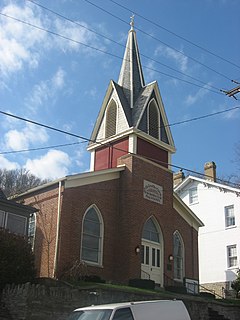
57 58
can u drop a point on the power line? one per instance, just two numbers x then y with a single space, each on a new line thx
111 54
41 148
176 35
202 117
164 43
105 144
109 39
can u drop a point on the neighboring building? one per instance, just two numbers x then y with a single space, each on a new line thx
218 206
122 219
14 216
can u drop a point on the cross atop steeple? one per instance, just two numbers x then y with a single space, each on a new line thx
132 22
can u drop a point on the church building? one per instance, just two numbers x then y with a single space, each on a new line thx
122 220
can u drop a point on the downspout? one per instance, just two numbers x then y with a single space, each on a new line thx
58 227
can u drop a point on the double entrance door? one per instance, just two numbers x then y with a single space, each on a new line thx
151 264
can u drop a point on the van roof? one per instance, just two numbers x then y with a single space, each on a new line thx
123 304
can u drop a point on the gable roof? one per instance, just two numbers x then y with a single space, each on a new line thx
187 214
220 186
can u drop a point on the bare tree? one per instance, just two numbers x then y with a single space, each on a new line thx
17 181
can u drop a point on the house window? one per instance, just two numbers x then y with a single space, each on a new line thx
111 119
178 256
232 256
193 196
229 216
153 120
2 218
92 237
16 224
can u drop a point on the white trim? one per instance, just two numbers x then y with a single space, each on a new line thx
93 177
92 160
186 213
176 232
105 116
206 182
148 117
58 229
100 252
132 144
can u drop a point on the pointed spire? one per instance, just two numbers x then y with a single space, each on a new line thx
131 75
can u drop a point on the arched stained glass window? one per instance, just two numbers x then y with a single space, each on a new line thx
92 236
153 120
150 231
111 119
178 255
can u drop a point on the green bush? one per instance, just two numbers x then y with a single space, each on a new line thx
236 284
16 259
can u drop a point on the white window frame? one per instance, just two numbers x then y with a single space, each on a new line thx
178 259
19 216
193 195
229 216
158 120
232 259
2 221
106 118
100 249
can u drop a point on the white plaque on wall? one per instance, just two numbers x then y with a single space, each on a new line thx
152 192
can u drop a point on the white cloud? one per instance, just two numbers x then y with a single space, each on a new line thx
44 90
178 56
21 139
81 37
52 165
192 99
21 45
6 164
17 40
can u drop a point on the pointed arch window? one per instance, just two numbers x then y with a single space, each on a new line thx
150 231
153 120
111 119
178 256
92 236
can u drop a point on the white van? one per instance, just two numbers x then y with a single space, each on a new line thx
139 310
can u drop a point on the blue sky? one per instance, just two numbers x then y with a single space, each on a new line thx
56 81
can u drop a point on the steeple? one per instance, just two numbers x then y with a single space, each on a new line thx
132 117
131 75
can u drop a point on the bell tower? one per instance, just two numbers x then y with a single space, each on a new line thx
132 118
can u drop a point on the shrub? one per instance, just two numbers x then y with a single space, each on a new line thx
17 259
142 283
236 284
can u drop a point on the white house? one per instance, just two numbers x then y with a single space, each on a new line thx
218 206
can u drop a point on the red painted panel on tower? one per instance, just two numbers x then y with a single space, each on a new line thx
106 157
152 152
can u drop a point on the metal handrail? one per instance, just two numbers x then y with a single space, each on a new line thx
148 274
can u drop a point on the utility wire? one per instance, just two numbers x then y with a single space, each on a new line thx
111 54
176 35
112 40
42 148
105 144
164 43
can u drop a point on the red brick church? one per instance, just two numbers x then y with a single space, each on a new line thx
121 219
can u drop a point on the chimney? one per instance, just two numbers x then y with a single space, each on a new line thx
210 171
178 177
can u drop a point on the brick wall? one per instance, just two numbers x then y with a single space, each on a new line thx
124 212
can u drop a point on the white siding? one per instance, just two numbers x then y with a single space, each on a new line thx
214 237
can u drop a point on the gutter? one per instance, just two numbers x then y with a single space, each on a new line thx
58 229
